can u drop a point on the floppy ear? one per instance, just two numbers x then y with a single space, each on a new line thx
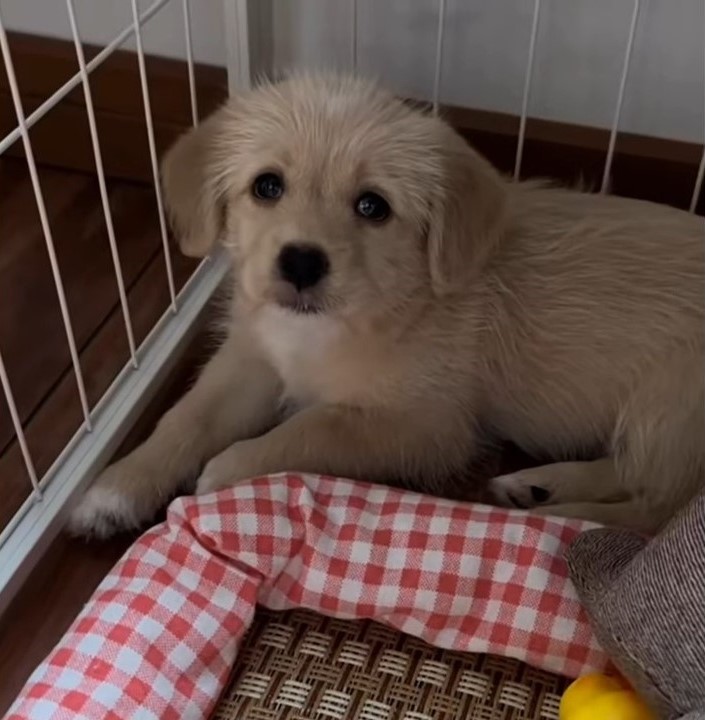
191 195
467 217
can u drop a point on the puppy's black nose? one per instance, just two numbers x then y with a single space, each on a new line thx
302 265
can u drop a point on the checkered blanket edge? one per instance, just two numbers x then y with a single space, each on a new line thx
160 635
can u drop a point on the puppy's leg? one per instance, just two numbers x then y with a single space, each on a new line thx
629 514
374 445
235 396
558 483
658 440
657 458
581 490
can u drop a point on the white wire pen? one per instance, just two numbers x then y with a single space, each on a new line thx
189 62
153 154
75 80
44 220
19 432
527 89
697 188
440 39
698 184
353 35
620 97
101 181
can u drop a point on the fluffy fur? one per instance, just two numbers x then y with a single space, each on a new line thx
562 321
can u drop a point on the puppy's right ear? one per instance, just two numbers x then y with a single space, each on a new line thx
191 195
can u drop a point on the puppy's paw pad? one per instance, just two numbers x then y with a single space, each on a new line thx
103 511
517 490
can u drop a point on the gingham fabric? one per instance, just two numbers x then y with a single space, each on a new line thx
161 633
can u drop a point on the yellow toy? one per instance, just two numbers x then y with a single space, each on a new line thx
600 697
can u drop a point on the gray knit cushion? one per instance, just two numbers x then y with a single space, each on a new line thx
647 604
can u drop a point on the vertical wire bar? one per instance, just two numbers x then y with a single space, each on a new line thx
527 89
620 97
701 170
75 80
439 55
44 220
189 62
153 153
353 35
117 265
17 425
698 184
237 45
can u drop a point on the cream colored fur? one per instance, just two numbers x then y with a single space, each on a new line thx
559 320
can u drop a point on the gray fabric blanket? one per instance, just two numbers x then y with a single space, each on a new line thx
647 604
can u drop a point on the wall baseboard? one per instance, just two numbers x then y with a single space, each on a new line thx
644 167
61 138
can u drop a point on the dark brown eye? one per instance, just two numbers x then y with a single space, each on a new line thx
268 186
372 206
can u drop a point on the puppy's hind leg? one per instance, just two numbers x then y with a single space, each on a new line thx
628 514
659 440
581 490
558 483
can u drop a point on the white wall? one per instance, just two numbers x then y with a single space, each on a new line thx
578 59
100 21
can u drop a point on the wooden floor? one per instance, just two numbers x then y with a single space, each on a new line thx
36 356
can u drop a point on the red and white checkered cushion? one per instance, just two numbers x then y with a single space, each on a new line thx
161 633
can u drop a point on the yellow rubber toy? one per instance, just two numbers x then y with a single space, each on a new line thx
599 697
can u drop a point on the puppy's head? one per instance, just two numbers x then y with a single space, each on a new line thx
334 197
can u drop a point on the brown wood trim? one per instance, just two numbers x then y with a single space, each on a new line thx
589 138
62 137
645 167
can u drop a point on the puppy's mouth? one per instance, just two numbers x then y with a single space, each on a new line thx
300 302
301 306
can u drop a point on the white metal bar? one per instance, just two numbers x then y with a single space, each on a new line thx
19 432
620 97
527 89
153 154
440 31
44 219
88 97
353 35
189 62
237 39
698 183
74 81
33 528
697 188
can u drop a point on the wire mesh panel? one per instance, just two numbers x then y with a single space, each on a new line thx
110 398
258 35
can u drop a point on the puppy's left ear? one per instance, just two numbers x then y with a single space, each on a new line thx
190 194
467 217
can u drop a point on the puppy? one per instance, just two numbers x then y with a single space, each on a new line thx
396 302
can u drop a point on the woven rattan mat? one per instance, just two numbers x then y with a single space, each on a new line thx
303 666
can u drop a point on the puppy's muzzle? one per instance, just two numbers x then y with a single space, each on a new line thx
303 266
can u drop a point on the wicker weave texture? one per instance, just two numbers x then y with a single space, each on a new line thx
303 666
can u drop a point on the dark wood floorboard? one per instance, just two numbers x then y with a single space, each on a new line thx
69 572
31 329
38 364
32 335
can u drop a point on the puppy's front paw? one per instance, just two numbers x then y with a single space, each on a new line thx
115 503
225 470
212 481
520 490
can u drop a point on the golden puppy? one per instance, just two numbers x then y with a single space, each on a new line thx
396 300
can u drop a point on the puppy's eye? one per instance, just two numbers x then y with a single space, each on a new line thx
268 186
372 206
